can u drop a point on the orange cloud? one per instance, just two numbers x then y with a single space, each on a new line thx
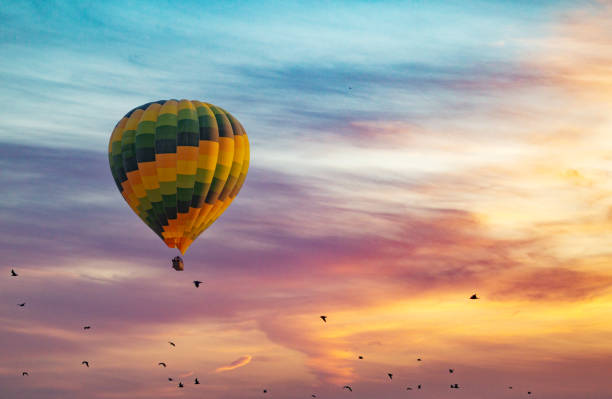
241 361
557 284
579 53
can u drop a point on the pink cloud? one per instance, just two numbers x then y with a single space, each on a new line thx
240 362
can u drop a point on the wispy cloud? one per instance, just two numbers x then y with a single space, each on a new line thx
240 362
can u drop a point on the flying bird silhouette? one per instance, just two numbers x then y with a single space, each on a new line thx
474 297
196 381
451 371
25 373
161 364
419 359
408 389
455 386
347 387
324 318
180 385
171 343
87 328
419 386
390 376
510 387
170 379
21 304
529 393
197 283
265 391
85 362
313 395
13 274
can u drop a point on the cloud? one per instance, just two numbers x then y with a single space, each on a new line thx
241 361
558 284
384 206
409 93
579 53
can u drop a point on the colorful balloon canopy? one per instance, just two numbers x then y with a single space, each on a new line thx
179 165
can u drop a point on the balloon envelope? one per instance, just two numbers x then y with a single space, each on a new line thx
178 165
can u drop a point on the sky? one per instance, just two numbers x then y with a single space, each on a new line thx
404 155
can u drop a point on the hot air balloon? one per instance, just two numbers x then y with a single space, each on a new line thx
178 165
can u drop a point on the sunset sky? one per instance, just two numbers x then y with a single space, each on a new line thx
404 155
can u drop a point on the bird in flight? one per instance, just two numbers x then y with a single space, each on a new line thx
180 385
196 381
161 364
85 362
347 387
390 376
87 328
451 371
170 379
529 393
13 274
360 357
21 304
197 283
25 373
474 297
408 389
510 387
419 359
171 343
313 395
455 386
265 391
324 318
419 386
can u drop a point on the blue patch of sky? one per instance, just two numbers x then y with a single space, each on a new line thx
70 70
